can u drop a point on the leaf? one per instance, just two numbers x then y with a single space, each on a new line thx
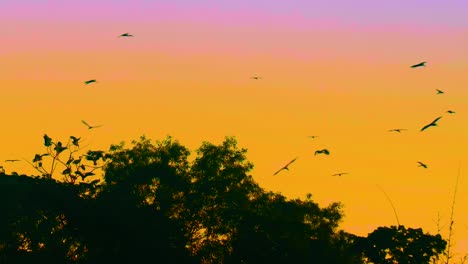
77 161
94 182
59 148
89 174
47 141
75 140
38 157
66 171
69 160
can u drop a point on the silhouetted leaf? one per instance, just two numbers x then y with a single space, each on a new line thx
47 141
59 148
75 141
70 160
38 157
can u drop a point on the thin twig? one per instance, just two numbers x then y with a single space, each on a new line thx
449 239
394 210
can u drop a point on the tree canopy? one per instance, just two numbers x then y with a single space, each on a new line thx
154 205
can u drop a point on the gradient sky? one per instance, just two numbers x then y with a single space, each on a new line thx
336 69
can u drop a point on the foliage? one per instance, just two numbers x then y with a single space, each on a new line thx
74 167
155 205
402 245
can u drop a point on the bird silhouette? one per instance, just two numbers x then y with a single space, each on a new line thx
256 77
322 151
439 91
313 136
450 112
422 64
12 160
285 167
339 174
433 123
422 165
90 81
89 126
126 35
397 130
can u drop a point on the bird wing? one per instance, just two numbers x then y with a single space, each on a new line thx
426 126
418 65
285 167
278 171
435 120
84 122
290 162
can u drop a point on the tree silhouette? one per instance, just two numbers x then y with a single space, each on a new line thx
402 245
155 205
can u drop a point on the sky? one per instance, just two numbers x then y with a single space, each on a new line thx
336 69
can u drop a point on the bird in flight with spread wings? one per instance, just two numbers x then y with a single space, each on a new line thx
397 130
256 77
450 112
126 35
322 151
433 123
439 91
313 137
339 174
422 165
422 64
285 167
89 126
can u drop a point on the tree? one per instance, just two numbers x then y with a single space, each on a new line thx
402 245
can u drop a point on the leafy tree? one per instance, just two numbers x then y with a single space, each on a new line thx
402 245
155 205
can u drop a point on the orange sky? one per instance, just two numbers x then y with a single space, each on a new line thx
348 83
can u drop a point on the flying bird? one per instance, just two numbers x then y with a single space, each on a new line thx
323 151
450 112
422 165
90 81
339 174
126 35
285 167
89 126
397 130
422 64
256 77
439 91
11 160
313 136
433 123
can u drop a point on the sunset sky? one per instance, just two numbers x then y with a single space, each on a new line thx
337 69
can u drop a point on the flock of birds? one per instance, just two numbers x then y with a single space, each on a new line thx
317 152
74 139
89 82
399 130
